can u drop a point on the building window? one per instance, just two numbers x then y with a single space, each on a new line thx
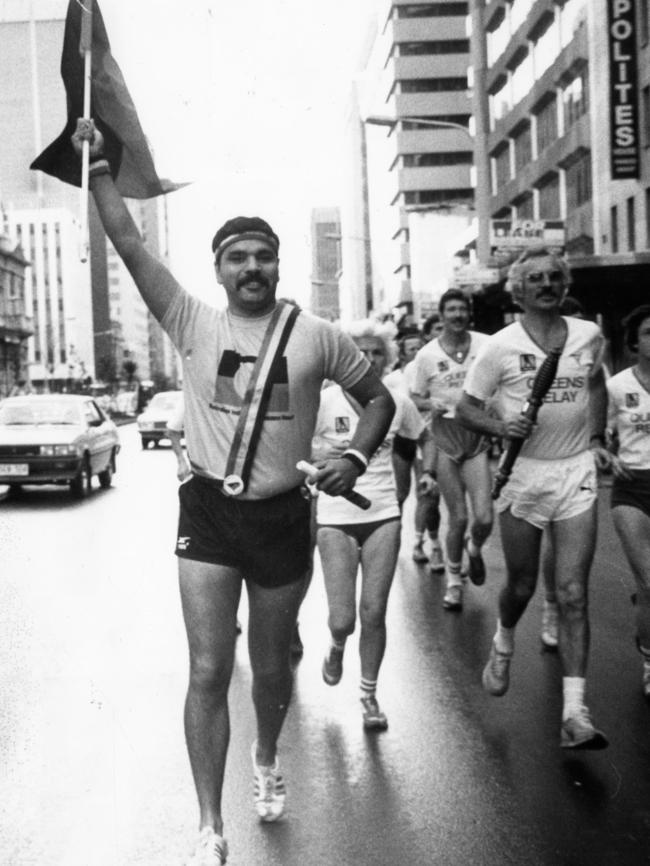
545 50
572 15
459 119
549 198
432 10
416 160
518 12
432 85
502 167
500 102
613 219
631 227
497 38
523 148
578 181
522 79
525 207
447 46
438 196
546 124
575 99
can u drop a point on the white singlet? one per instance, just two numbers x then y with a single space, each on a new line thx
336 423
441 376
506 367
629 414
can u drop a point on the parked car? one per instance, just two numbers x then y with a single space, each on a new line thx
56 439
152 423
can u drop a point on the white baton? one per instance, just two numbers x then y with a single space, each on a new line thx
355 498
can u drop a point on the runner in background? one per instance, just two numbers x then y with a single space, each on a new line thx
462 468
349 537
629 420
405 462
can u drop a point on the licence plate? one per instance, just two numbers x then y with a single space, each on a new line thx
14 469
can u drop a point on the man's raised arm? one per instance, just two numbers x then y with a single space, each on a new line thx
155 283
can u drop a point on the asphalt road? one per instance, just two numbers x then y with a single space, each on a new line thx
93 770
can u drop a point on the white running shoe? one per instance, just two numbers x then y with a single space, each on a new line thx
496 674
436 560
578 732
270 792
453 598
211 849
374 719
549 625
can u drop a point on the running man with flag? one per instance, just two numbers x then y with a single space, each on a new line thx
252 377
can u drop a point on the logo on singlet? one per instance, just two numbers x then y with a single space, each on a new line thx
443 366
632 401
527 363
342 424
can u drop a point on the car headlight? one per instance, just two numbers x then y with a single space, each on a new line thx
57 450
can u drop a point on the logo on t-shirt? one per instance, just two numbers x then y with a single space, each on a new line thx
632 401
342 424
527 363
443 366
230 386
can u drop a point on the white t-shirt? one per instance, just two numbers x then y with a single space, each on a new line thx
441 376
506 367
402 379
629 414
218 351
336 423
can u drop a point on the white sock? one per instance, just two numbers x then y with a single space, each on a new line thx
573 691
338 644
472 548
453 574
504 639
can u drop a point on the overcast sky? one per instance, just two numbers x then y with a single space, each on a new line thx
248 99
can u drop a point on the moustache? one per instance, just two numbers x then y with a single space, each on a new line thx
245 279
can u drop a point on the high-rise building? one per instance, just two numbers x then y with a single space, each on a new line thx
326 262
415 83
569 105
32 113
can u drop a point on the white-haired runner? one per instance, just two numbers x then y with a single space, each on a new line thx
348 537
553 483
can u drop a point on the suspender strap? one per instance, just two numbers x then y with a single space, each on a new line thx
258 393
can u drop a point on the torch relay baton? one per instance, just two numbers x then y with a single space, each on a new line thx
541 385
353 497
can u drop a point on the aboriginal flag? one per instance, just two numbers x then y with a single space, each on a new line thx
112 109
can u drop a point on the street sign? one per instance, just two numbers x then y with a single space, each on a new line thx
473 277
521 234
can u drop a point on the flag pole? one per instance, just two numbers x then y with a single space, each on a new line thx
85 49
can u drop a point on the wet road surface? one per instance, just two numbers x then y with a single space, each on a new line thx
93 670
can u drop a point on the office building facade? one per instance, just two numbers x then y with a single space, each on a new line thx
569 103
326 262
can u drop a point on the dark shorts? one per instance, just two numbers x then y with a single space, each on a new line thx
359 532
634 491
267 540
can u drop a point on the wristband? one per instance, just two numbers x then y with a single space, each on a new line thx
359 460
99 166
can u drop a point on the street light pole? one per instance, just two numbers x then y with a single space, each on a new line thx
479 140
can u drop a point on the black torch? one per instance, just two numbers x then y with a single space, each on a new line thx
541 384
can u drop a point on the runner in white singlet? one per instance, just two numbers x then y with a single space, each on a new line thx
629 419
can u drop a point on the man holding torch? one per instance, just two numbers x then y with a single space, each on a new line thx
553 482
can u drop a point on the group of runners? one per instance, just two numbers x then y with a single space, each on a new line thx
267 386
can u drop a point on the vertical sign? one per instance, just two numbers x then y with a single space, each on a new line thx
623 90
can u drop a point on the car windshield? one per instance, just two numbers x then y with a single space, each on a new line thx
164 402
53 413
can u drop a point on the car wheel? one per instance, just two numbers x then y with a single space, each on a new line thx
82 482
15 489
106 477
